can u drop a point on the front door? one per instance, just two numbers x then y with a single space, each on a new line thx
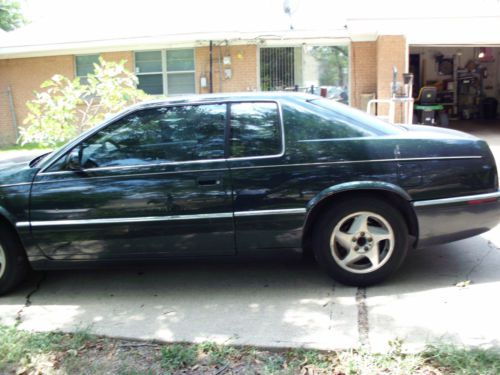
153 183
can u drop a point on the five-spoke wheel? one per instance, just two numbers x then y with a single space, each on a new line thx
361 242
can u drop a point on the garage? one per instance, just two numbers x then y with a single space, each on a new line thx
456 84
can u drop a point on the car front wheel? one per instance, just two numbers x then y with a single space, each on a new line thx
13 263
361 242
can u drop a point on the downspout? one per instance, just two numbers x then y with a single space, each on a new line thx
211 68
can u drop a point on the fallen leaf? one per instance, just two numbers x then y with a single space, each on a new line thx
463 284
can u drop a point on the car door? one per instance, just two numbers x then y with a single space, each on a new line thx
153 183
265 192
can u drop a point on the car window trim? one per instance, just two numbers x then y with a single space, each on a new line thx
63 152
281 125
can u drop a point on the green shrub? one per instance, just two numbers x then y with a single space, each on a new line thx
66 107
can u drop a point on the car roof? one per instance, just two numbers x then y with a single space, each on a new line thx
200 98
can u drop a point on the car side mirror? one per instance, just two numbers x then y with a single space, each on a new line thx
74 160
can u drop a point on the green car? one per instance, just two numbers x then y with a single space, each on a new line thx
236 174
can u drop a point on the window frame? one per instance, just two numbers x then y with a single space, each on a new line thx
280 124
164 68
63 152
76 63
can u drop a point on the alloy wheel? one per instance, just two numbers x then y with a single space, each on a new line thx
362 242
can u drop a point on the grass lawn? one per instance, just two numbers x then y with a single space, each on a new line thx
81 353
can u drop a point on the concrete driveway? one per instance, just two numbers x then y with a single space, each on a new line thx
445 293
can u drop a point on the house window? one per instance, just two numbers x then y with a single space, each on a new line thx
85 65
169 72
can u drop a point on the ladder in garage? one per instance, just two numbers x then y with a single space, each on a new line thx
406 105
401 97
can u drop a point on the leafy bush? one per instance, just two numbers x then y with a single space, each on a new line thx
68 107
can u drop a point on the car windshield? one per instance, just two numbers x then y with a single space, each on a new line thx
358 116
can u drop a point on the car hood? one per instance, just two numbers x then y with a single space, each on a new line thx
16 173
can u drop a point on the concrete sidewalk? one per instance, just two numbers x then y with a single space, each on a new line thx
276 303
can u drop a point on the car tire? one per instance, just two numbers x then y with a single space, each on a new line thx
13 262
361 242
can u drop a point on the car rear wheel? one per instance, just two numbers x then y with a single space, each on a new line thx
13 263
361 242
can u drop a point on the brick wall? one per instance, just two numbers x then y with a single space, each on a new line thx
363 71
243 67
24 76
391 51
128 56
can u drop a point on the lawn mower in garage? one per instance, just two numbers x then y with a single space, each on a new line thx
427 111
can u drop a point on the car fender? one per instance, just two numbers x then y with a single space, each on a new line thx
356 186
4 214
360 186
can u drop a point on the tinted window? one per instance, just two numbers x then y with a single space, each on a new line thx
355 118
159 135
255 129
305 121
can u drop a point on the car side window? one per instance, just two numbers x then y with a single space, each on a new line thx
304 124
158 135
255 129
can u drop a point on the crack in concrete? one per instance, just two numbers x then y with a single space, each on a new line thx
493 246
480 261
28 302
363 324
331 303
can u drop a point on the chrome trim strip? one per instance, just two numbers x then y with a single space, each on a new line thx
129 174
126 220
435 202
146 219
270 212
22 224
243 159
19 184
360 161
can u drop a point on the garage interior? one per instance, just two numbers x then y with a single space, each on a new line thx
466 80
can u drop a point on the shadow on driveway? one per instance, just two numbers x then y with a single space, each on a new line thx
276 302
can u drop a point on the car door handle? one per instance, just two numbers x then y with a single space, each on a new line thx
209 181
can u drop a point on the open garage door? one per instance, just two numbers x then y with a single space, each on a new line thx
465 79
